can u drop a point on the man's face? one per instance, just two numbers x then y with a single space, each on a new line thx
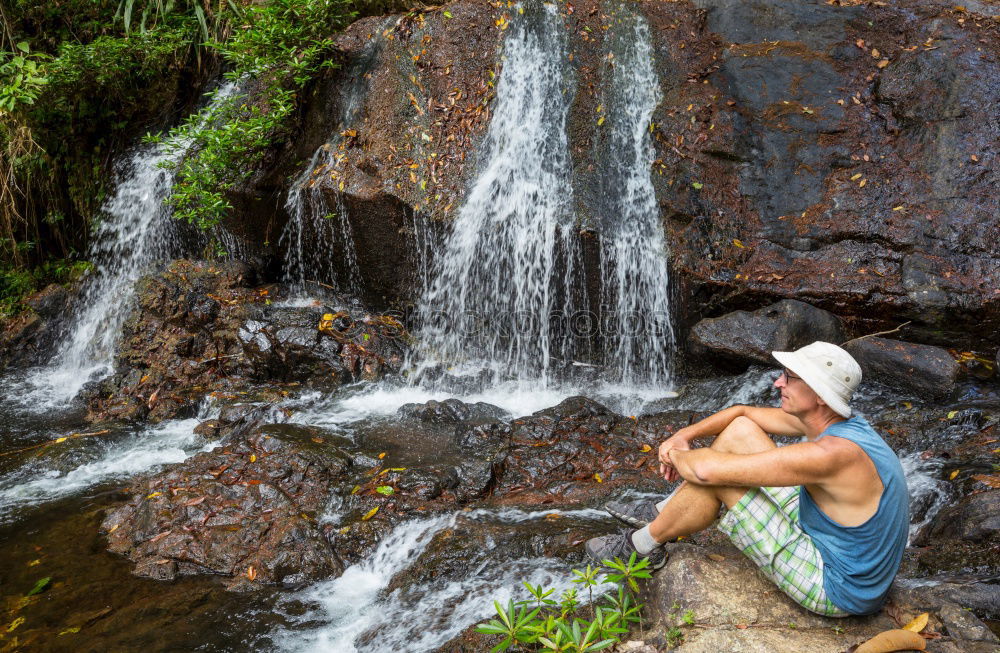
797 398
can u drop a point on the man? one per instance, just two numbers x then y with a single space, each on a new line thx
826 519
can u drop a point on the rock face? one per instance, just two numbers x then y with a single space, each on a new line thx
965 535
31 337
736 609
246 510
839 155
786 325
925 370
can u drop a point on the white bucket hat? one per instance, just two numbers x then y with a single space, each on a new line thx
830 371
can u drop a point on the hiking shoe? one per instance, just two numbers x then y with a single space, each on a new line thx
636 514
609 547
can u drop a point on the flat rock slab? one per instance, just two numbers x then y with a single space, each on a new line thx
923 369
735 608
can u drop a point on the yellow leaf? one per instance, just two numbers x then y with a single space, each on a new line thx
898 208
34 562
600 121
251 573
893 640
883 63
862 183
153 494
919 623
58 440
253 458
344 530
14 624
328 317
736 241
716 557
553 515
381 455
597 477
355 489
907 405
68 631
952 414
856 177
951 477
113 529
370 514
645 448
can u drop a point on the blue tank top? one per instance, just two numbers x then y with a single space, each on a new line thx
859 562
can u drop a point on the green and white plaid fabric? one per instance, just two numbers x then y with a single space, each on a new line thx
765 526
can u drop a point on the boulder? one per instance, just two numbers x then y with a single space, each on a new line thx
746 336
927 371
734 608
452 411
246 511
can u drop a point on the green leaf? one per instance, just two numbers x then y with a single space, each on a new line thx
447 14
23 46
385 489
697 186
40 586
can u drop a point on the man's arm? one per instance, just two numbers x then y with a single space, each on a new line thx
771 420
796 464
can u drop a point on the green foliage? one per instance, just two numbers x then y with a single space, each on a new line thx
144 15
541 623
21 77
282 44
16 283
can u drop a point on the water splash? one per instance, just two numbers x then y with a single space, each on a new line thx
316 232
639 337
512 261
134 233
929 493
358 612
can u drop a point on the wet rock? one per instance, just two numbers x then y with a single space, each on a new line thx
246 511
201 327
963 536
726 591
925 370
31 337
452 411
783 326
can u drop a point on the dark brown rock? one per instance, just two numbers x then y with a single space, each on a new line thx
922 369
752 337
246 510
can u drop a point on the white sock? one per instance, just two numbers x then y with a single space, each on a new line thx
643 541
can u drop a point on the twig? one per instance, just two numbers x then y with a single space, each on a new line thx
320 283
56 441
879 333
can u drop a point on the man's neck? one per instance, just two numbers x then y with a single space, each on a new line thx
819 421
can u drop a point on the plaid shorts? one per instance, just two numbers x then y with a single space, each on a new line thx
765 526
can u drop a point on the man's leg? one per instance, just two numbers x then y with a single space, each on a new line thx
694 507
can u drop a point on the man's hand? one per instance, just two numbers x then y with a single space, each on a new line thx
680 440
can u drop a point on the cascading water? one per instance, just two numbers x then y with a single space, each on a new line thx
636 324
511 263
315 230
135 232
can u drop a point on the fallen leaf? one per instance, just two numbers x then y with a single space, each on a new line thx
597 477
385 489
14 624
381 455
153 494
883 63
68 631
697 186
370 514
875 53
862 183
193 502
40 586
251 573
893 640
253 458
645 448
738 243
919 623
716 557
951 414
856 177
898 208
951 477
992 481
58 440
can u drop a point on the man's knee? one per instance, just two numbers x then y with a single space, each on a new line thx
742 436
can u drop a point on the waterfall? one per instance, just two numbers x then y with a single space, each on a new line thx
134 233
315 230
635 295
510 269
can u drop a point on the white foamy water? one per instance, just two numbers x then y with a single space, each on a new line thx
356 612
170 442
929 493
512 258
639 337
134 233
